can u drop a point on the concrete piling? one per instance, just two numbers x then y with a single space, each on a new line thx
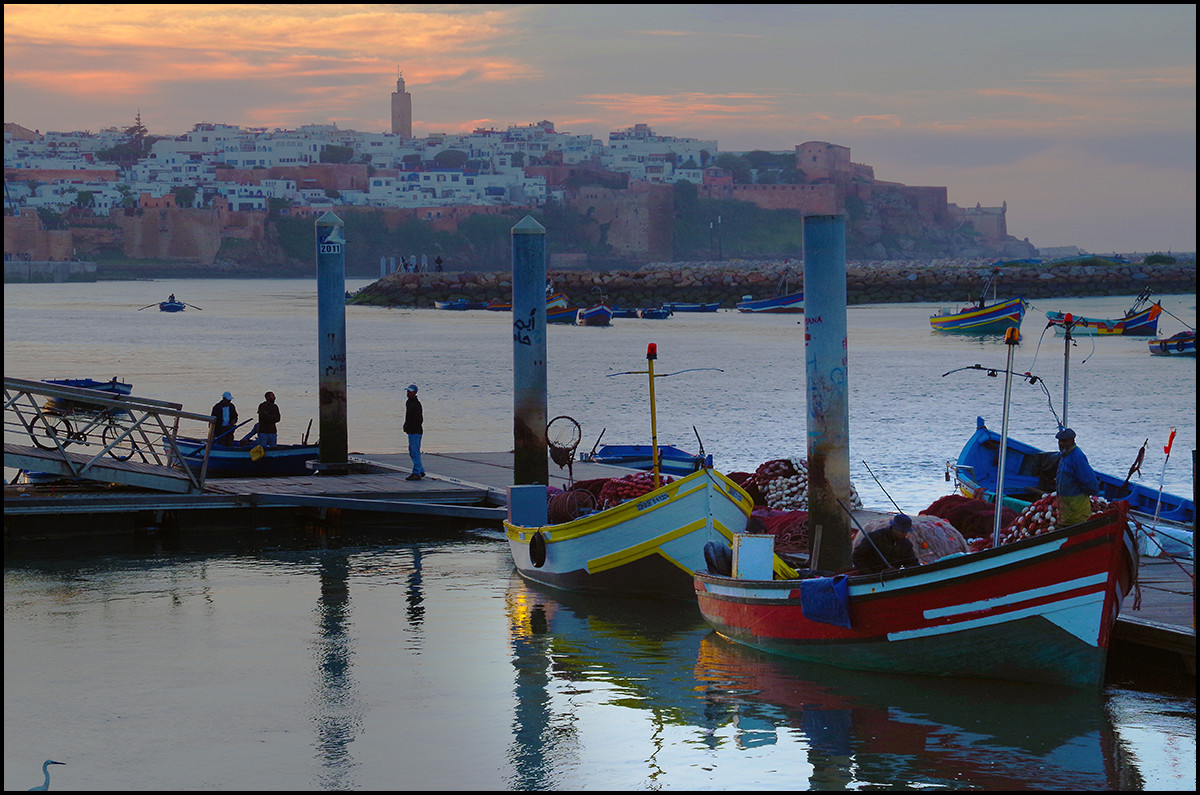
828 391
331 346
529 352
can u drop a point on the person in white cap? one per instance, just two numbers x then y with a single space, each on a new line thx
414 420
227 417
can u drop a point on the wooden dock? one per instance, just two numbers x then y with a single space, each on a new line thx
472 487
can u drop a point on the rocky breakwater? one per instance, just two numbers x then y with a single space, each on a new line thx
728 282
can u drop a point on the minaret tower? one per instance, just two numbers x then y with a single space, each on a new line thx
401 109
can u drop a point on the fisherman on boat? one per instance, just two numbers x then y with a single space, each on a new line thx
886 548
1076 481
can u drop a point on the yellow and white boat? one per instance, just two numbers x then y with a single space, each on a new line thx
648 546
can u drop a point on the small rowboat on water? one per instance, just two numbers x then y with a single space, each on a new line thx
1181 344
680 307
171 306
595 315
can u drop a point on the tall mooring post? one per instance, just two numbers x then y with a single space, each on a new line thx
828 391
530 465
331 345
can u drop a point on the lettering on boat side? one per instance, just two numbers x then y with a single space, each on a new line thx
650 503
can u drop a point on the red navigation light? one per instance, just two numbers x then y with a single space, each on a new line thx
652 351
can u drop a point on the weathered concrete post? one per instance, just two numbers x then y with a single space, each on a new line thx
331 345
529 353
828 391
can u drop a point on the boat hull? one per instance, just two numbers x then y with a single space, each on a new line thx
1039 610
713 307
1181 344
1139 324
235 461
567 314
989 319
598 315
644 547
780 304
171 306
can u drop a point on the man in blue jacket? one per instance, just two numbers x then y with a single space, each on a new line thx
1076 481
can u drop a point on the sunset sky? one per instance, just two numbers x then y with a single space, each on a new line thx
1082 118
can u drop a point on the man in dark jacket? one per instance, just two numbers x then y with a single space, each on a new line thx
885 548
268 421
414 420
227 417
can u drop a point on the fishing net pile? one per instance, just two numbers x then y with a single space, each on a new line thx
783 485
971 517
589 496
1040 517
932 537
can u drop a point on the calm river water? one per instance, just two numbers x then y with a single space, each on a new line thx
417 660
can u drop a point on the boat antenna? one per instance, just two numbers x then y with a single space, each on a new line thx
881 488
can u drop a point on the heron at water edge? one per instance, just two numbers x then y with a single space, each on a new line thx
46 771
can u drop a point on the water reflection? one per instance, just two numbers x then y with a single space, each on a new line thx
338 708
853 729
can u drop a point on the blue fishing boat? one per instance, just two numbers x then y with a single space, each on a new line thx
595 315
112 386
171 306
654 313
459 304
671 460
793 303
683 307
783 302
1029 474
248 460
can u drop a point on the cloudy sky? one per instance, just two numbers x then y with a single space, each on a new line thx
1084 121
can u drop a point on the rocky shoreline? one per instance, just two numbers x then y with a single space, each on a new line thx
729 282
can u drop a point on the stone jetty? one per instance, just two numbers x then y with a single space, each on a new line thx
729 282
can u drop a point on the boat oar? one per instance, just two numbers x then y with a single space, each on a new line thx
147 306
231 430
193 306
304 440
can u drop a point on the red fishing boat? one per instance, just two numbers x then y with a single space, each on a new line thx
1037 610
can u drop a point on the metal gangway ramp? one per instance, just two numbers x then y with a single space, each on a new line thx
87 434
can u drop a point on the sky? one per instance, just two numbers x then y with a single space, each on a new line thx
1082 119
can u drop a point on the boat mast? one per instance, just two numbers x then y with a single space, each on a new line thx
651 355
1068 323
1012 338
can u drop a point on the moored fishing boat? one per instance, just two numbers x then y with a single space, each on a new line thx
595 315
1036 610
646 546
1181 344
685 307
654 313
567 314
459 304
792 303
247 460
982 317
1029 474
671 460
1138 321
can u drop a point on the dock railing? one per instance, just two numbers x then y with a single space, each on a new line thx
82 433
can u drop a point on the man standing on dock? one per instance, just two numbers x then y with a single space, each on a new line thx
413 425
1076 481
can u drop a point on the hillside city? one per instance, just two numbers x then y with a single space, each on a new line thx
236 182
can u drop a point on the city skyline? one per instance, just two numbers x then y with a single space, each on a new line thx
1083 124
